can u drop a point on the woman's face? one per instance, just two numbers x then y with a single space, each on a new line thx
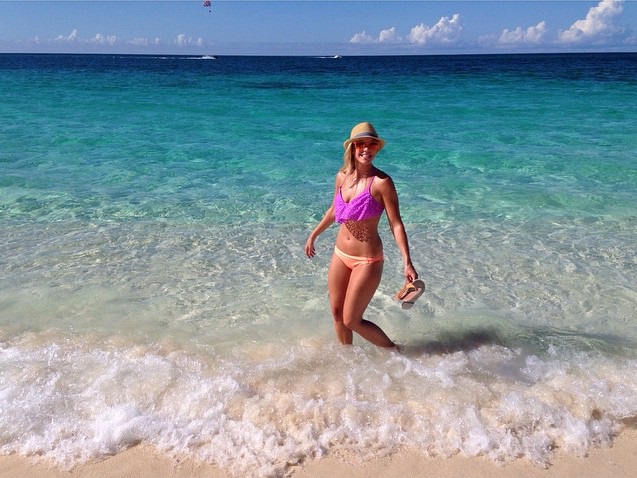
365 150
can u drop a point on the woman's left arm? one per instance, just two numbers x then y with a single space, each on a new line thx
390 199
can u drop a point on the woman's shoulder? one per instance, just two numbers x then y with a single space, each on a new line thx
383 178
340 177
383 185
380 174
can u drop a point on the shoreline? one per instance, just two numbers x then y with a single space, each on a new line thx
619 461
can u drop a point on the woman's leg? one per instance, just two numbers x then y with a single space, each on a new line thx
337 279
362 285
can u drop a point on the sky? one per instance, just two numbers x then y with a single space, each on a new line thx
317 27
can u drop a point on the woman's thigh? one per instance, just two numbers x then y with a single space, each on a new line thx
338 277
363 282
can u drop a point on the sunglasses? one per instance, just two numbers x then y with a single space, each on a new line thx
366 144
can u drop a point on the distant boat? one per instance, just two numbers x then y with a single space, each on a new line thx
209 57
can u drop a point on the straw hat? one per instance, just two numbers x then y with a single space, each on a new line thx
363 130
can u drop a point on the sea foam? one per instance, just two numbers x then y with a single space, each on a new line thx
71 402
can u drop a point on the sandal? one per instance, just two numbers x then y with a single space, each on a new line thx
409 293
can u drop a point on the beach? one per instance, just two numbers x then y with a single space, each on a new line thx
157 308
617 461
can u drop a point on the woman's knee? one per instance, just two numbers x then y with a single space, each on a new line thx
337 313
351 322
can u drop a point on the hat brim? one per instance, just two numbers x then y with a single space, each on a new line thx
364 136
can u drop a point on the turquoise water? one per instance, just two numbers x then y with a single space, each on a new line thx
154 289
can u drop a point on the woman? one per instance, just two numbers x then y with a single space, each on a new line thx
361 194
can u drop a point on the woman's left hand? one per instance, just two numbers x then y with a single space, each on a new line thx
410 273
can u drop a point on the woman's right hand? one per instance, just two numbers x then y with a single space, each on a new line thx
309 247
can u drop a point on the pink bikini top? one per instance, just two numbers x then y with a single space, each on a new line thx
361 207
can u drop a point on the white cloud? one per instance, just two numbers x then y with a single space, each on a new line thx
98 39
103 40
71 38
137 41
389 36
182 40
533 35
362 37
599 24
446 31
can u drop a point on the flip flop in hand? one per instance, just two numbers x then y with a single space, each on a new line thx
409 293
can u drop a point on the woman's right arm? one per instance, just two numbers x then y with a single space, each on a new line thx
327 220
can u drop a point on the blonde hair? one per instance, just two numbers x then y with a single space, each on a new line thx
349 163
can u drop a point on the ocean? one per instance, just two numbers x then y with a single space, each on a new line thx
154 288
